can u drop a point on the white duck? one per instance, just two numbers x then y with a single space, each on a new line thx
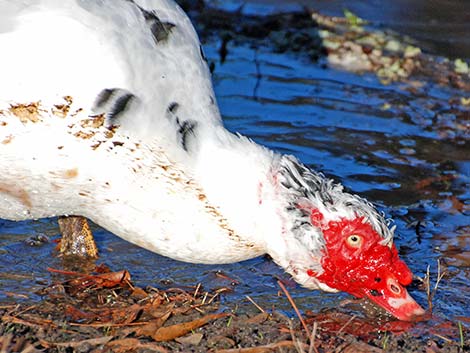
108 112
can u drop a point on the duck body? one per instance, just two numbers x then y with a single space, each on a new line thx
107 111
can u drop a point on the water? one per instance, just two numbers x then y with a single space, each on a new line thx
408 158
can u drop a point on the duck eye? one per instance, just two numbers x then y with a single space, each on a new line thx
354 241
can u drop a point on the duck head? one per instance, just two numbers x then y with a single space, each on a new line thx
339 242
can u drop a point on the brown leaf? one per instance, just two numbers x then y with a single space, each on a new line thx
112 279
75 314
157 310
193 339
258 319
123 345
76 344
139 293
132 344
126 315
102 280
169 333
151 327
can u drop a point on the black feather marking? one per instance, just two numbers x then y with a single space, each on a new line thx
173 107
121 105
201 51
160 30
186 129
104 96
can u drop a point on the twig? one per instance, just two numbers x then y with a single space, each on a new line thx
312 347
461 334
196 291
346 324
448 340
427 283
295 340
292 303
254 303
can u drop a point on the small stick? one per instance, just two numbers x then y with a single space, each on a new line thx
295 340
346 324
461 334
254 303
291 301
427 283
196 291
312 347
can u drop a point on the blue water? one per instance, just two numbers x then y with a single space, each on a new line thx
333 121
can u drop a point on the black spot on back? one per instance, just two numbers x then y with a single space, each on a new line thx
120 105
104 96
160 30
173 107
186 130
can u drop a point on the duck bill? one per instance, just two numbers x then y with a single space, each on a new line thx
400 303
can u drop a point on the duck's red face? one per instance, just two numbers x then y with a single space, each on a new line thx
356 261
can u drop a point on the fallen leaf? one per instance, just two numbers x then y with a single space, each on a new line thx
102 280
132 344
193 339
74 314
75 344
151 327
139 293
169 333
257 319
126 315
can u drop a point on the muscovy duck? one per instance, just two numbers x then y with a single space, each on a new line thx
107 111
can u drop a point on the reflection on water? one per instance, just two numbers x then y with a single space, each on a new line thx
380 141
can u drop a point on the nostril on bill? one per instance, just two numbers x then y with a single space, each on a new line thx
395 289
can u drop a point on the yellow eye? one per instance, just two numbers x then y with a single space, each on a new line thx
354 241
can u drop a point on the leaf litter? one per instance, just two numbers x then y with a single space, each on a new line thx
104 312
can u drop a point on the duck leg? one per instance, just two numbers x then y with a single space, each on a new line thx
77 238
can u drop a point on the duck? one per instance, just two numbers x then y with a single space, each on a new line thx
107 113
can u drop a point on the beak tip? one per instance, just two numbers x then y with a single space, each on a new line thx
416 313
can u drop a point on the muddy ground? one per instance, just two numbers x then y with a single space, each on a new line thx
104 312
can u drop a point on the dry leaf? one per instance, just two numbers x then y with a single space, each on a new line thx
257 319
193 339
132 344
169 333
150 328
